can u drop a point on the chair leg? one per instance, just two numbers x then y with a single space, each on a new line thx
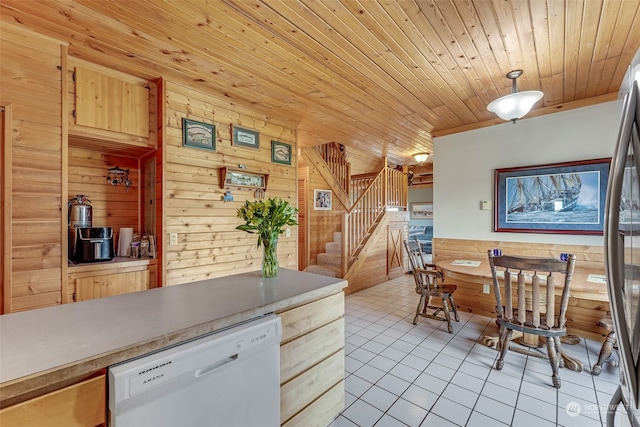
605 352
553 353
420 304
447 314
503 346
454 308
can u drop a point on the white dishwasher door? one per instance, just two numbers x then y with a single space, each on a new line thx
230 378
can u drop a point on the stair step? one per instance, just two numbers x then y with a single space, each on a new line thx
337 237
333 248
329 260
325 271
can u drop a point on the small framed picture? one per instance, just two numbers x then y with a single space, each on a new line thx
280 152
241 137
421 210
322 200
198 135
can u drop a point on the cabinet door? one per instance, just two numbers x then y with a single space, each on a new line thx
109 103
111 284
81 404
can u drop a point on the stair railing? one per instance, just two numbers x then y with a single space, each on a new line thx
359 184
333 155
385 190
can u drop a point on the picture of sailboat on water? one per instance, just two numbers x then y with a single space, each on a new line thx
562 197
565 197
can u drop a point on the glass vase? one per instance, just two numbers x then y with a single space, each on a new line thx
270 258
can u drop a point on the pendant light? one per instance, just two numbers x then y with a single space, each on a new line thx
421 157
517 104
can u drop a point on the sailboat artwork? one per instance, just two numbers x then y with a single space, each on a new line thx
551 193
555 198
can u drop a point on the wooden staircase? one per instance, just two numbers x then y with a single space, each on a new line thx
329 262
374 194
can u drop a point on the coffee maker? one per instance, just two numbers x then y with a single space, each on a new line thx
87 243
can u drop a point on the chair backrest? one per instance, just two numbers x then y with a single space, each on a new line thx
530 285
425 275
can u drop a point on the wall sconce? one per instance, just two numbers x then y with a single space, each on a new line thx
517 104
421 157
117 176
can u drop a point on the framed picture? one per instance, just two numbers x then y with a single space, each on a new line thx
241 137
280 153
198 135
421 210
564 198
322 200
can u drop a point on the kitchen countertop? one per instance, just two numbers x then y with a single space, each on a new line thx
58 344
116 262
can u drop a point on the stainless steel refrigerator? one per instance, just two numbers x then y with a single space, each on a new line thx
622 246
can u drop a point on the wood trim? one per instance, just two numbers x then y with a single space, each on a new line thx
7 253
64 123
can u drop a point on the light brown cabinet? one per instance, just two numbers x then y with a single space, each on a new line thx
92 281
109 103
110 111
312 363
82 404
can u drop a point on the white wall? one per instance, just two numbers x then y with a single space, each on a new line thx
464 164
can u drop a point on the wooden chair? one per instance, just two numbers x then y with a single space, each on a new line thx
430 283
529 304
610 342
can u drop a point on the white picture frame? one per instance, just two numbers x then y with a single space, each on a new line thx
322 200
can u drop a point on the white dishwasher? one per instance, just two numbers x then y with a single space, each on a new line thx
229 378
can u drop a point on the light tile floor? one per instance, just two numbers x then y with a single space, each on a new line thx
398 374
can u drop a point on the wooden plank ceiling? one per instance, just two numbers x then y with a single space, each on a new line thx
379 76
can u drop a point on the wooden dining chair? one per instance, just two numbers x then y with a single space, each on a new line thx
529 303
430 283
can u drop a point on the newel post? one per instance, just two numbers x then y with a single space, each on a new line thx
344 257
405 187
385 185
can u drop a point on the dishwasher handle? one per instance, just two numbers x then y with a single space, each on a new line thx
216 365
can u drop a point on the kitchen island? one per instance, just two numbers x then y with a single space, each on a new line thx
48 349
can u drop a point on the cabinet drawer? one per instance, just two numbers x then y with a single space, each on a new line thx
300 354
306 387
321 412
82 404
300 320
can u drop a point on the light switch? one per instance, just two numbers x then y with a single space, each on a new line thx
173 238
485 205
287 232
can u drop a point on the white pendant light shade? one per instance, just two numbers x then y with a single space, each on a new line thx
517 104
421 157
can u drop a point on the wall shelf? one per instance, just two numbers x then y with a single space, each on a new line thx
240 178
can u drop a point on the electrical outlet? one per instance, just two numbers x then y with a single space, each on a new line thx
485 289
173 238
287 232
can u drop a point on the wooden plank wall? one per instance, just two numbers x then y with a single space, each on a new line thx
586 256
373 270
113 206
208 244
31 82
